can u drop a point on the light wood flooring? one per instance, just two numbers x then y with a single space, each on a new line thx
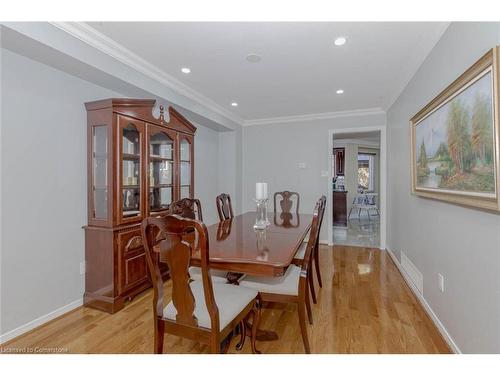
364 306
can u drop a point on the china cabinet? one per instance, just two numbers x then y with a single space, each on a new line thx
137 165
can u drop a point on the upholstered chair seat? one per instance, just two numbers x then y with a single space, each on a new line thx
288 284
230 300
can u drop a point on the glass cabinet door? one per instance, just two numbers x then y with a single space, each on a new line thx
100 172
185 166
131 168
161 169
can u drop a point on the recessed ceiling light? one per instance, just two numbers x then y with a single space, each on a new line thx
234 104
253 58
340 41
340 91
186 70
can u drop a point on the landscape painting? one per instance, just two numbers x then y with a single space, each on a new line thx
455 147
454 141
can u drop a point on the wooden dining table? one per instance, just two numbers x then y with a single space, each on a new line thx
235 246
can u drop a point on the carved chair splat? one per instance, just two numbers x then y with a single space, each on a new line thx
224 206
188 208
286 202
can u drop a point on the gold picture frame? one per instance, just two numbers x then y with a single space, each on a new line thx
455 142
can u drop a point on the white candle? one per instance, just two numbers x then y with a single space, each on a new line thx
265 190
261 190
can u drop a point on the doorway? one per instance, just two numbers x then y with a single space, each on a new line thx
357 187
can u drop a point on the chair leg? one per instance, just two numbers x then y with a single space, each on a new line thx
255 325
311 283
308 307
243 335
303 326
214 347
349 216
316 264
159 335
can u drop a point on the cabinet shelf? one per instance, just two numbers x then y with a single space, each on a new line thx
131 156
159 158
160 186
131 187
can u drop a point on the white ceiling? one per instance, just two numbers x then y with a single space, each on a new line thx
300 68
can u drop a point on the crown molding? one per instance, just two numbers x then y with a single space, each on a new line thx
314 116
101 42
353 141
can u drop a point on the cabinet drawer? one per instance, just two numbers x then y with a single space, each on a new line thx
130 242
135 271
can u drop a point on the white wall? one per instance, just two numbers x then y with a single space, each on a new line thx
271 153
43 171
461 243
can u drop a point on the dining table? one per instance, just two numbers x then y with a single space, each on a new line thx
235 246
238 248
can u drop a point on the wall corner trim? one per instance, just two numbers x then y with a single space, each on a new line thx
39 321
440 326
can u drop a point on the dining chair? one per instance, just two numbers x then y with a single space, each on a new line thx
187 207
199 310
224 206
299 256
293 286
286 202
191 209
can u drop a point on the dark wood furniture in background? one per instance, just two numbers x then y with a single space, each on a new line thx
137 165
286 202
224 206
339 208
339 161
199 310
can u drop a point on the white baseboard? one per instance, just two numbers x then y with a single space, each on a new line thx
39 321
440 326
412 272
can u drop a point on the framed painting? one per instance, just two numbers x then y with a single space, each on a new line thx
455 140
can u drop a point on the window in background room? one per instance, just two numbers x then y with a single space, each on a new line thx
366 173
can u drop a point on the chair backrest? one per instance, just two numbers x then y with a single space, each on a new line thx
286 202
313 241
224 229
224 206
188 208
165 238
322 214
286 220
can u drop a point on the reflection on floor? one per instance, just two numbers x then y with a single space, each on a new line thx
359 232
364 306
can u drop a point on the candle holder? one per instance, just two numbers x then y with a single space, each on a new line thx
261 220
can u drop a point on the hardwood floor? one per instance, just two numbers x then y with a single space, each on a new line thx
364 307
